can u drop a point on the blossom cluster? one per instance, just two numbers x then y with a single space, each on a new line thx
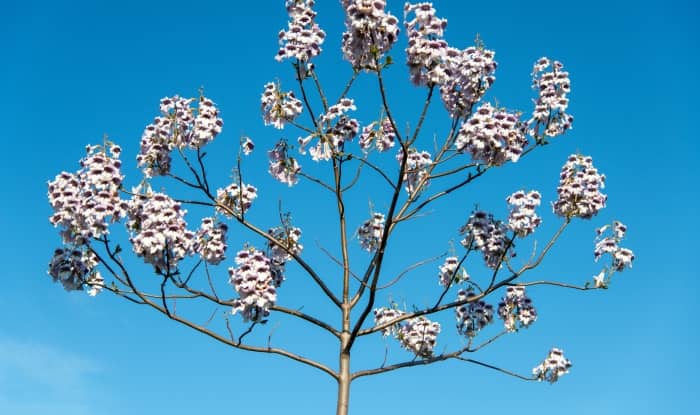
384 315
469 73
621 257
426 49
279 107
289 237
371 231
522 218
84 202
381 134
338 128
75 269
253 281
487 235
492 136
303 38
472 316
283 167
235 199
579 189
416 172
158 230
247 145
516 307
553 367
178 126
449 272
210 241
419 336
551 104
371 32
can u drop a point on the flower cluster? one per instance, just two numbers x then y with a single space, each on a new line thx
371 32
516 307
210 241
472 316
235 200
179 125
303 38
487 235
253 281
74 269
384 315
551 104
338 127
158 230
426 49
553 367
279 107
417 163
449 273
419 336
469 73
579 189
492 136
283 167
247 145
381 134
621 257
371 231
289 237
522 218
84 202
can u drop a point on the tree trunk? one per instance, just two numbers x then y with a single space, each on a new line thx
344 377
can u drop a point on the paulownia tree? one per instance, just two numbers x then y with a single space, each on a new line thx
407 179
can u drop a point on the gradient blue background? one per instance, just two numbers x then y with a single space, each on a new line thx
73 71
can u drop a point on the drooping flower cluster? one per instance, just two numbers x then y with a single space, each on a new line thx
381 134
426 49
621 257
579 189
303 38
210 241
338 128
283 167
384 315
487 235
417 163
289 237
253 281
371 231
469 73
492 136
158 230
472 316
85 202
516 307
235 200
75 269
450 274
551 104
553 367
279 107
419 336
522 218
371 32
178 126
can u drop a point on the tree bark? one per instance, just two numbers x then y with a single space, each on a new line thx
343 383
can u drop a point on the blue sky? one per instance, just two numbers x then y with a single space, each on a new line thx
75 71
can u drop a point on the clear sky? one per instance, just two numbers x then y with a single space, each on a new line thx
73 71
